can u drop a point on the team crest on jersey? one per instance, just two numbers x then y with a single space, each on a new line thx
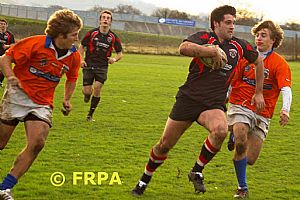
43 62
232 53
266 73
109 39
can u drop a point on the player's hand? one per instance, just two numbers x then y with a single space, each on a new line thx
83 64
258 101
67 107
217 59
112 60
13 81
6 46
284 117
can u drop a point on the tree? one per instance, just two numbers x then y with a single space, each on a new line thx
247 18
127 9
167 13
292 25
97 8
56 7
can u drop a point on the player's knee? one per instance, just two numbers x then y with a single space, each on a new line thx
251 160
37 146
240 148
220 131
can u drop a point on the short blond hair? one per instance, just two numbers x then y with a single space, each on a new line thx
107 12
63 22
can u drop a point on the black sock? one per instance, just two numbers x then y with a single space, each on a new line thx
1 77
146 178
153 163
94 103
207 153
197 168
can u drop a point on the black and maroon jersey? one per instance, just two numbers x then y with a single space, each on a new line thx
99 47
210 86
6 38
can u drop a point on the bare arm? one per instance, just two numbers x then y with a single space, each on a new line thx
5 66
81 51
195 50
118 57
258 97
69 90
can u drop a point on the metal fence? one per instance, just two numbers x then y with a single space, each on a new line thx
137 23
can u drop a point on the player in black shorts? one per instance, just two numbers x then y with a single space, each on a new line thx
202 97
6 40
98 44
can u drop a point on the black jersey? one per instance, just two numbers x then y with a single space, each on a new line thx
99 47
210 86
6 38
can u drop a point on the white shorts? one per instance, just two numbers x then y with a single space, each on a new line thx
17 105
258 124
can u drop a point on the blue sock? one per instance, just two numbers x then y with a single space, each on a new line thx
8 182
240 170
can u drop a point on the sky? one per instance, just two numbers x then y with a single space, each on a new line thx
279 11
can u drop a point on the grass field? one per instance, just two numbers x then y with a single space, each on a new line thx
136 101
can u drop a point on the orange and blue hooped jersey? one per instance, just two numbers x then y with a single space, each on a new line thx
277 74
39 69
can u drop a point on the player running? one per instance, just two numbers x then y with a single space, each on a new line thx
40 62
202 97
250 127
98 43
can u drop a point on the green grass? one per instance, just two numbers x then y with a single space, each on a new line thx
136 101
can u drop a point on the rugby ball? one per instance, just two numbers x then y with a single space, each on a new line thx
208 61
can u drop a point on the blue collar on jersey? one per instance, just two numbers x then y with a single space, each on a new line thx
49 41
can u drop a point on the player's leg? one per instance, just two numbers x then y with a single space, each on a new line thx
158 154
36 133
255 144
88 79
95 99
215 122
240 159
7 127
1 79
100 78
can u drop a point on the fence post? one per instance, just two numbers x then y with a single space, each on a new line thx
296 46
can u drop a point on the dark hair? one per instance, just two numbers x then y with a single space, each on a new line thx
218 13
107 12
63 22
276 32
